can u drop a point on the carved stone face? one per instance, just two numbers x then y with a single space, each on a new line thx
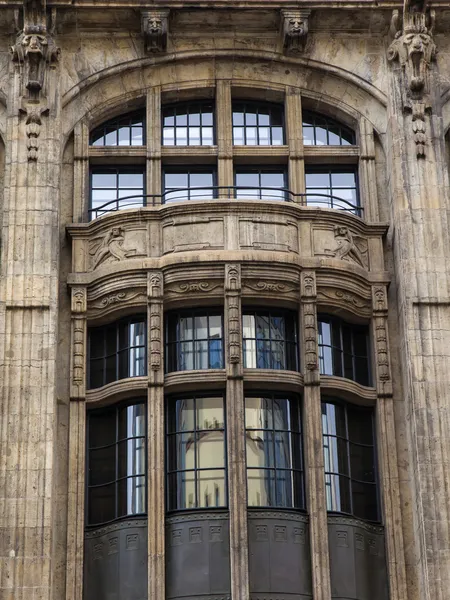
296 26
420 49
155 26
34 43
116 232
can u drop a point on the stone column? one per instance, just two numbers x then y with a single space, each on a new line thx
29 292
153 137
77 446
294 133
224 137
237 476
418 186
155 440
313 440
387 449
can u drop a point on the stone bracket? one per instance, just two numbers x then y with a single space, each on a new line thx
155 29
294 30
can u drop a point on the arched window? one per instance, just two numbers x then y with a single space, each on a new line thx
319 130
126 130
350 463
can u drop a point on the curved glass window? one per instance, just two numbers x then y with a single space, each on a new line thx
344 349
258 124
194 340
196 465
274 452
270 340
261 183
116 458
188 124
184 183
117 351
116 188
350 462
332 187
319 130
126 130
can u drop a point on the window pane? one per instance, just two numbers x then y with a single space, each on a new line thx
181 488
102 465
210 450
104 180
131 457
238 136
338 493
201 357
360 426
211 488
260 449
101 504
132 421
261 487
185 413
364 501
283 450
131 180
284 489
131 496
258 413
210 413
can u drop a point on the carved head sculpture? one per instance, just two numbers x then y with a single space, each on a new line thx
34 43
296 26
155 26
420 50
341 232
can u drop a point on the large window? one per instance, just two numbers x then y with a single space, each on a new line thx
188 124
196 465
261 183
116 461
332 187
270 339
257 124
349 454
126 130
194 340
274 452
117 351
115 188
319 130
344 349
184 183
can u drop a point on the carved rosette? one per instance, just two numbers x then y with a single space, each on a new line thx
414 50
155 29
309 315
380 309
79 343
232 292
294 29
155 300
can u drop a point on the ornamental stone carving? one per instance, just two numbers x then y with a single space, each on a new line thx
155 299
192 287
294 30
308 296
274 287
414 49
380 308
110 248
155 28
233 287
78 346
349 246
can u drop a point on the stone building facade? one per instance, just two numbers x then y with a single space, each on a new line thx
224 300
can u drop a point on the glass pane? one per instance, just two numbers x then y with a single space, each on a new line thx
251 134
215 354
317 180
250 118
210 413
201 355
260 449
169 118
343 179
96 373
308 136
337 493
261 487
185 328
207 116
101 504
335 455
360 427
194 116
102 465
264 136
207 136
210 449
194 136
365 501
96 343
186 356
104 180
278 355
124 136
183 454
238 116
137 138
184 415
215 326
111 136
137 333
168 136
247 179
321 136
111 369
362 463
238 136
249 329
131 180
249 348
333 419
181 119
284 488
272 179
131 457
132 421
283 450
211 488
277 136
181 133
201 328
281 416
262 327
201 180
258 413
182 490
131 496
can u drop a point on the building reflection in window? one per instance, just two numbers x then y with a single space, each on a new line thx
196 453
270 340
274 452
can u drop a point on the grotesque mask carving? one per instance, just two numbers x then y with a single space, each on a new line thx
154 29
295 30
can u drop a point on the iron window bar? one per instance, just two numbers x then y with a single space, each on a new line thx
227 193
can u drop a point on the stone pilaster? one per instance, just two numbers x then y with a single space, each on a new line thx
312 440
418 188
294 134
80 172
224 136
77 446
367 171
237 476
155 441
153 136
29 291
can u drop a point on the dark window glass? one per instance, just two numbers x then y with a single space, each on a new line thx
194 340
182 184
344 349
117 351
349 455
261 183
188 124
323 131
274 452
257 124
115 189
333 187
116 455
270 340
126 130
196 464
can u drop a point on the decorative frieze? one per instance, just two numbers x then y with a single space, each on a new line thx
155 29
344 299
272 287
192 287
294 30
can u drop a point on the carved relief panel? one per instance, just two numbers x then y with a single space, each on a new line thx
79 343
182 234
117 244
341 243
259 233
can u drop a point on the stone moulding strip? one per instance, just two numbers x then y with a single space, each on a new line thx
105 529
344 520
341 386
191 516
126 388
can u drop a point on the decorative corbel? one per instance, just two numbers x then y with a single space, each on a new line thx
294 30
413 48
155 29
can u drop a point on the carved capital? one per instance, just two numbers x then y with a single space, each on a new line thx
294 30
155 29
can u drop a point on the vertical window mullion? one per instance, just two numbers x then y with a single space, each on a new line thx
116 483
195 452
348 460
352 345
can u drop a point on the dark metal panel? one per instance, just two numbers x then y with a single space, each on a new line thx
198 556
115 564
357 560
279 556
